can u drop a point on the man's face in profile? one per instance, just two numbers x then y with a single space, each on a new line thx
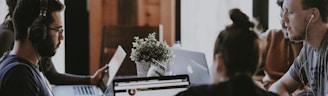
283 26
48 47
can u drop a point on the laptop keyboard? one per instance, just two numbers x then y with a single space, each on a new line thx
83 90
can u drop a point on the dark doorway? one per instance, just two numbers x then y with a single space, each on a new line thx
178 22
76 37
260 11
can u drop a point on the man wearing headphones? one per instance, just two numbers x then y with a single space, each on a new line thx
46 64
38 33
306 20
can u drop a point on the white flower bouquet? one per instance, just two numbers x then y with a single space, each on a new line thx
149 48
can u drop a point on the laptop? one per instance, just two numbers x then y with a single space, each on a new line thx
92 90
150 86
191 63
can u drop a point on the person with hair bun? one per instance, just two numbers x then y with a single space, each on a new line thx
236 58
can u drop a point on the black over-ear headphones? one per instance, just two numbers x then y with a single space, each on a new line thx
38 30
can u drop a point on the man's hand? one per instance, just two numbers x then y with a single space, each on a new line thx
97 76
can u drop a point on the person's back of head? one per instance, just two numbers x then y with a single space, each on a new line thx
239 45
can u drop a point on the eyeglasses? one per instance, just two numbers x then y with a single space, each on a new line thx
59 30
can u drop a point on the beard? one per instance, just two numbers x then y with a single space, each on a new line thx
297 37
46 48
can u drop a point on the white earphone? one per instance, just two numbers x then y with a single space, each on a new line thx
307 26
302 66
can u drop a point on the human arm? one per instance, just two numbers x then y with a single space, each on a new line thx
285 85
264 44
269 40
293 78
68 79
56 78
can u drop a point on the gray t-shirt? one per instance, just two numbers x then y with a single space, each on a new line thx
311 66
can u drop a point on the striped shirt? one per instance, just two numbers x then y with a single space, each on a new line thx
311 66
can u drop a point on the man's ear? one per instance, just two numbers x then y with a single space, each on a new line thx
315 14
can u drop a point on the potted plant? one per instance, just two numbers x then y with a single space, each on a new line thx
144 50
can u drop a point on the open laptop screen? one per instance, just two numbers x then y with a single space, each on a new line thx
150 86
192 63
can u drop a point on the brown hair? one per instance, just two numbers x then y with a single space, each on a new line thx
24 12
322 6
239 45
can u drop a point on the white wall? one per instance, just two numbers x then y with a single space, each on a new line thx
59 58
274 15
3 10
202 20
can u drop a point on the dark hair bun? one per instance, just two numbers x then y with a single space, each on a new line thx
240 19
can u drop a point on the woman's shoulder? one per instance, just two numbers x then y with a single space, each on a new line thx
222 89
202 90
